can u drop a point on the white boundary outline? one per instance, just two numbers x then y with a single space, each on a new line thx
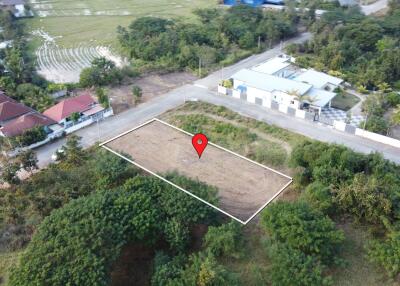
182 189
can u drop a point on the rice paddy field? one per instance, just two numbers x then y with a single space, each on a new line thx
73 22
67 35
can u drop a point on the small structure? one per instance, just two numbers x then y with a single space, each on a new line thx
277 82
77 112
16 7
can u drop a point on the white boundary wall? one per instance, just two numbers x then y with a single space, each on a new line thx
339 125
377 137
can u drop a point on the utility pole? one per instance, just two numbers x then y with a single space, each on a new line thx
199 67
259 42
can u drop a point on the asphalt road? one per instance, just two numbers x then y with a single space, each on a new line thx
374 7
204 90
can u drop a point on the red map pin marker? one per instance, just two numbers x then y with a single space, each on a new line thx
199 142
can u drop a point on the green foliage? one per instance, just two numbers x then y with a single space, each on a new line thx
30 136
300 227
176 45
376 124
291 267
366 186
75 116
366 198
386 253
319 197
366 50
136 92
85 237
176 234
204 270
102 97
166 268
102 72
224 240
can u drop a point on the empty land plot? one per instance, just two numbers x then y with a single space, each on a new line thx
244 187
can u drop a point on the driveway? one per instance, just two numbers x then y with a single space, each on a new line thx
203 89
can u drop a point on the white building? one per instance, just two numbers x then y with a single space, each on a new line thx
278 81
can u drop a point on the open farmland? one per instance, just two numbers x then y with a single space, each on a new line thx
243 186
78 21
72 33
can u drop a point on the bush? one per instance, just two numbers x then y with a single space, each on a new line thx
291 267
224 240
376 124
77 244
387 253
303 228
393 99
319 197
31 136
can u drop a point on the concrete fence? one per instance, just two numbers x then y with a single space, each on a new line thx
377 137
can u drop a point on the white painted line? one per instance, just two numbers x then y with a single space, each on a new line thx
200 85
186 191
172 184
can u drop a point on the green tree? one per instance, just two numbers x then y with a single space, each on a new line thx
75 116
30 136
103 97
137 93
303 228
386 253
224 240
28 160
291 267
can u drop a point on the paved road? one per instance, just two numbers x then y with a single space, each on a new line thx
203 89
374 7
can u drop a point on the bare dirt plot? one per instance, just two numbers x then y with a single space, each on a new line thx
152 85
244 187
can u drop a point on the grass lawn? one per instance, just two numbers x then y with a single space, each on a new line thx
345 101
358 271
95 21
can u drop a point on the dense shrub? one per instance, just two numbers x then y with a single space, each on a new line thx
78 243
291 267
300 227
224 240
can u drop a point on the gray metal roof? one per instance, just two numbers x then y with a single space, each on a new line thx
11 2
317 79
269 82
320 97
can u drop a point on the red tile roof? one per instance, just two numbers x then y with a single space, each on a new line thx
4 97
10 109
68 106
25 122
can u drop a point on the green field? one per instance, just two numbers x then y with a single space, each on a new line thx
94 22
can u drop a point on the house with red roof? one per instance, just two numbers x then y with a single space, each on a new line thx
25 122
11 109
16 118
77 112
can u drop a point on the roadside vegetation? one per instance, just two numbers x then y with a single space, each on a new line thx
94 187
219 38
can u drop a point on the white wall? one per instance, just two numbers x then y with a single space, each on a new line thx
79 126
252 93
378 137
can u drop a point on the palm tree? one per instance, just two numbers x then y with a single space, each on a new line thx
395 117
301 97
